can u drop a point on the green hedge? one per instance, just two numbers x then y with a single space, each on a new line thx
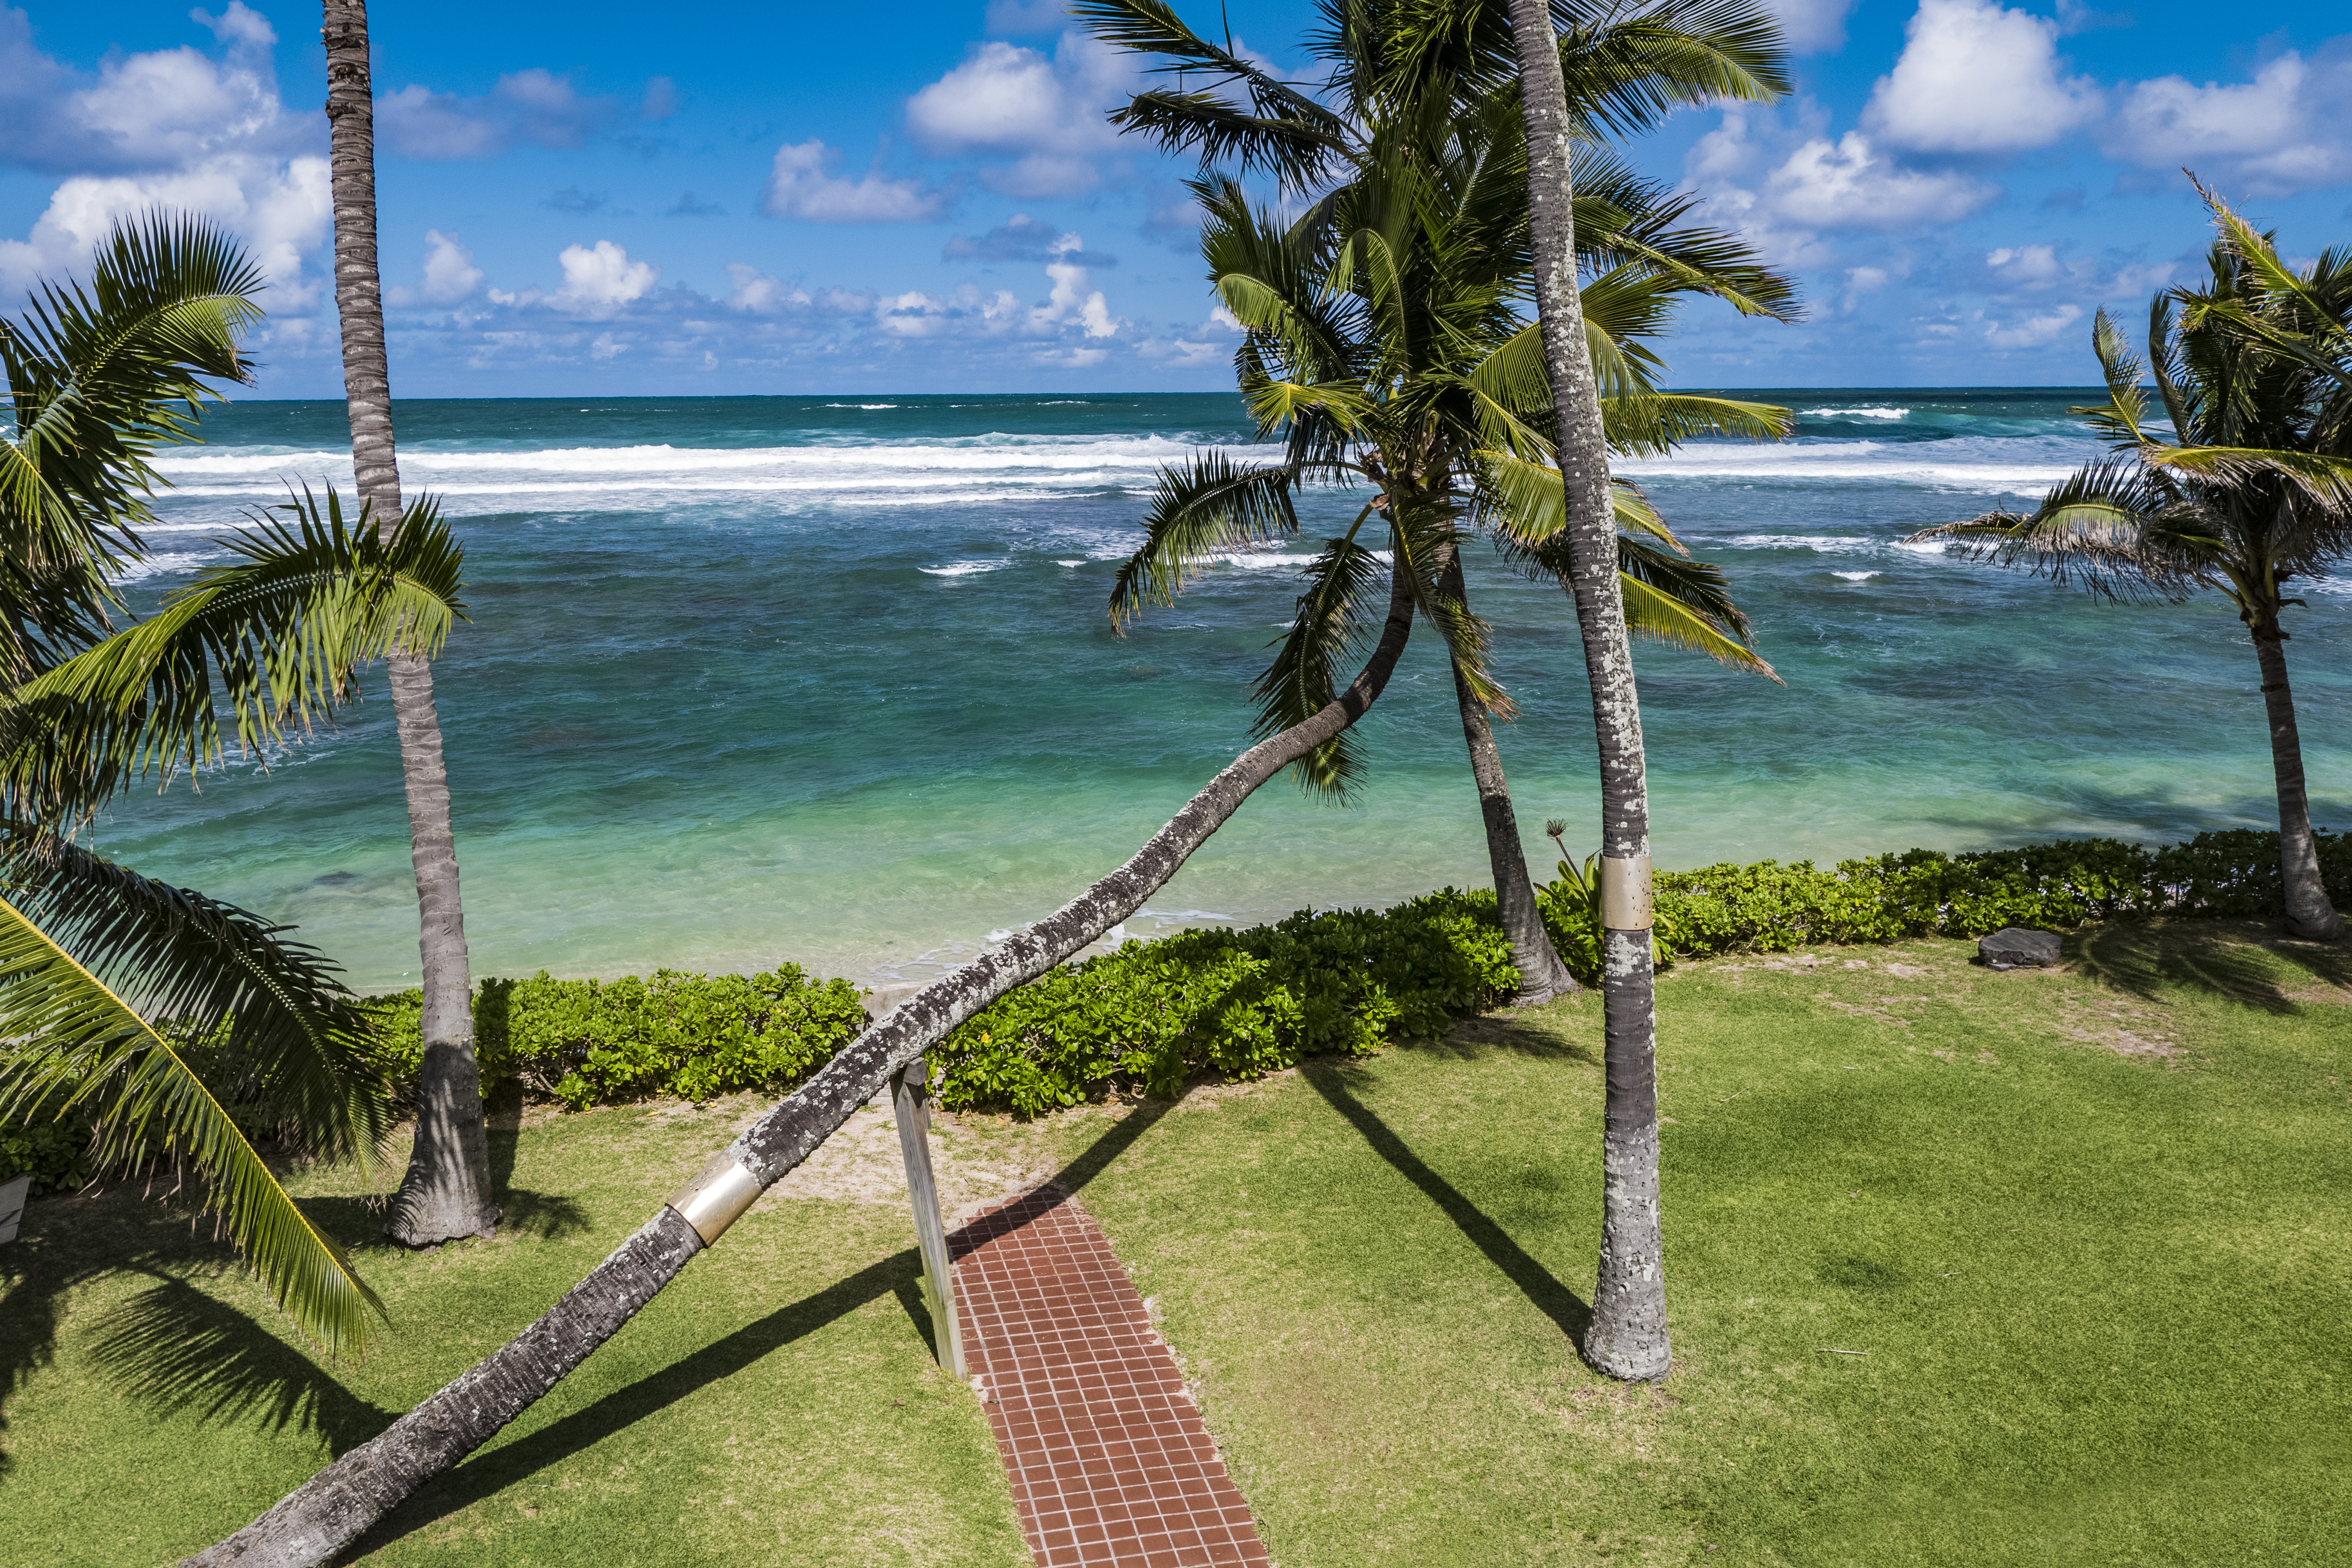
1245 1003
594 1042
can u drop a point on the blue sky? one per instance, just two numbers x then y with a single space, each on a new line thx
723 199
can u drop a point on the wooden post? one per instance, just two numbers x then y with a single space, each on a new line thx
910 1098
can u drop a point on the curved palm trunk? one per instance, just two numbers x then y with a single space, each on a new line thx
1628 1336
334 1507
446 1190
1542 975
2308 913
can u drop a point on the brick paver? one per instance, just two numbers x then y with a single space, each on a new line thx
1108 1461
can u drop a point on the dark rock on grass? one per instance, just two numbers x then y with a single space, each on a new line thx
2014 947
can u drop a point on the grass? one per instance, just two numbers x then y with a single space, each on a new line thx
2087 1230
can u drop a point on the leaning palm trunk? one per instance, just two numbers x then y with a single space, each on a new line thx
1628 1336
335 1506
446 1190
1542 975
2308 913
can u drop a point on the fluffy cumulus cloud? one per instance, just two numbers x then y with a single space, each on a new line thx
533 106
799 186
2289 129
450 275
599 279
1975 77
1045 114
1850 183
180 128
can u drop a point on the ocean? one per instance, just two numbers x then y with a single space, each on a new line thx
828 681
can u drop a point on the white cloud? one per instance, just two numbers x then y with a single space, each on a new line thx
1812 27
535 106
1048 112
1849 184
451 274
2025 267
799 188
1071 300
1976 77
759 293
966 310
2033 330
1860 282
280 211
2288 130
598 281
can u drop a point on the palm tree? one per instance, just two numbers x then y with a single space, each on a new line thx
1383 343
446 1190
137 1002
2252 490
1742 57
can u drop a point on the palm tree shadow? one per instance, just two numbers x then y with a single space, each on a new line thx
179 1351
486 1474
2250 962
1543 1291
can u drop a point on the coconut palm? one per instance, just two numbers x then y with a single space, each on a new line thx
446 1190
136 1003
2252 490
1384 344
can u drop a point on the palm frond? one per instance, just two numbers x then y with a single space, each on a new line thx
1199 510
1305 676
204 967
277 634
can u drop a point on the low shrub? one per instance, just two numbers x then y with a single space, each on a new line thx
1766 907
594 1042
1246 1003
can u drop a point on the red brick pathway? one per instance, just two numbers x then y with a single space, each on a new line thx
1108 1460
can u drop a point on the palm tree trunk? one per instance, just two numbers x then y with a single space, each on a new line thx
1628 1336
1542 975
2308 913
446 1190
337 1505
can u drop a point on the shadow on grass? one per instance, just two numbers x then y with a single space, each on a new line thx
179 1351
488 1474
2252 962
1543 1033
1555 1300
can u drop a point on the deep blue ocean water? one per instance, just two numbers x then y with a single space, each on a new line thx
829 681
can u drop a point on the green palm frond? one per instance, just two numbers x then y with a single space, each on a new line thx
1675 600
1326 628
2325 479
2121 418
1199 510
277 634
1655 424
74 922
2113 527
97 379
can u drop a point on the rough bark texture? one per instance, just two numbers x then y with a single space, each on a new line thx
2308 913
1542 975
446 1190
334 1507
1628 1336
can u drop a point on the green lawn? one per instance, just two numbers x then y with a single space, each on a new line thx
2091 1232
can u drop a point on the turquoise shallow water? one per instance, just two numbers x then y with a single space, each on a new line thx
829 681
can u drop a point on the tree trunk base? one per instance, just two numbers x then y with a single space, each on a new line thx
444 1194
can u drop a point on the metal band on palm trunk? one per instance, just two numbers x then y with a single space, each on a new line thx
716 1197
1625 902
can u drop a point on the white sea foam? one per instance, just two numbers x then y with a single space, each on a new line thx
861 405
162 564
1875 412
2024 464
1069 563
965 568
1825 543
1175 917
1855 577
